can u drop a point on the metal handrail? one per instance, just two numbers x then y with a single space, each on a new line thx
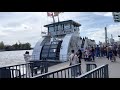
90 66
99 72
69 68
28 69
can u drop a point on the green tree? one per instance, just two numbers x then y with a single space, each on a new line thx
2 46
8 47
20 46
27 46
15 46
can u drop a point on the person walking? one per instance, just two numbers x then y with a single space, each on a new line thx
108 49
93 54
97 51
110 55
102 51
118 50
105 51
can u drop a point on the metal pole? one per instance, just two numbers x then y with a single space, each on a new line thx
58 18
106 35
53 18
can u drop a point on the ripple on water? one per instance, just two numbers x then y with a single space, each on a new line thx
12 57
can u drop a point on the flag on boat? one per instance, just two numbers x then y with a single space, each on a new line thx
49 13
53 13
57 13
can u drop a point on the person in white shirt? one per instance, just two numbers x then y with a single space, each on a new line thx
73 60
27 59
27 56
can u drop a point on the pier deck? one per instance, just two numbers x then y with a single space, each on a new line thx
113 66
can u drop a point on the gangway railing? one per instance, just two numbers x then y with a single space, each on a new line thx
68 72
20 71
90 66
26 70
99 72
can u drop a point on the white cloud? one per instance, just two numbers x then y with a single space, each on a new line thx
71 15
27 26
107 14
98 34
3 33
114 29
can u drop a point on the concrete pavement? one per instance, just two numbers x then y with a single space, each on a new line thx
114 67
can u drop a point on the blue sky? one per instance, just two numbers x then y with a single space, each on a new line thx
27 26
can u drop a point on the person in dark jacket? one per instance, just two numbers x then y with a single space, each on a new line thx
97 51
110 53
118 51
93 54
79 54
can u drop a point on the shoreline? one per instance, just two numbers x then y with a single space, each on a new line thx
13 50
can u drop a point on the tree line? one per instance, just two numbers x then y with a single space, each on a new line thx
16 46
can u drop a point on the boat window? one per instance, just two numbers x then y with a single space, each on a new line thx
56 27
55 42
67 26
46 47
44 54
60 27
47 43
70 26
53 50
52 54
45 51
54 46
51 29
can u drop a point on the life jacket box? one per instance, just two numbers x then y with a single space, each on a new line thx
5 73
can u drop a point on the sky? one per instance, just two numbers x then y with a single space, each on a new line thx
27 26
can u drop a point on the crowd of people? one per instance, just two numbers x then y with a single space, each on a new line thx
90 53
110 51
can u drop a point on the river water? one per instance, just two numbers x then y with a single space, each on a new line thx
8 58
